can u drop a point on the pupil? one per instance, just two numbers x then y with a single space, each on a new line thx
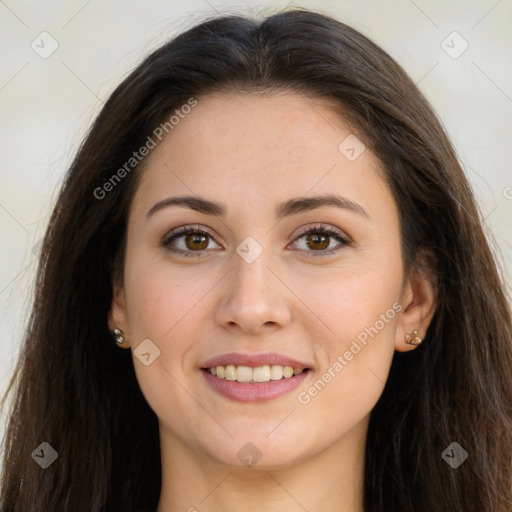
196 239
316 238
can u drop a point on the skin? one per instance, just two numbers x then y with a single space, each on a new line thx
251 152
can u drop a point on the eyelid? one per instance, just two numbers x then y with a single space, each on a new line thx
330 231
322 228
184 230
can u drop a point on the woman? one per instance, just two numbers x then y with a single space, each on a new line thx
270 220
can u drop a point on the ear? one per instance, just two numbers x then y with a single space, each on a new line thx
117 318
419 300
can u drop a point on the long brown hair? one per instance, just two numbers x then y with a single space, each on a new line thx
76 391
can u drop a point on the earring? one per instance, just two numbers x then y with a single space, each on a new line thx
413 338
118 336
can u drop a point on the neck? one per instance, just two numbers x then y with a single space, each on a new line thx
330 481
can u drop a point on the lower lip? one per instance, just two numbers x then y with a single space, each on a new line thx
258 392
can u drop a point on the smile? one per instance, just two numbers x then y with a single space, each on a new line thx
254 384
254 375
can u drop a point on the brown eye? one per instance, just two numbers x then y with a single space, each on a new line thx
196 241
192 241
318 240
187 241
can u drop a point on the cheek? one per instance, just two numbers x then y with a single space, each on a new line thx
159 308
361 309
155 304
350 296
355 363
161 303
159 296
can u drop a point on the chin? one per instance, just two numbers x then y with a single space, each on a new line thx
259 452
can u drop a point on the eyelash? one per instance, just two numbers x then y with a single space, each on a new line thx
173 235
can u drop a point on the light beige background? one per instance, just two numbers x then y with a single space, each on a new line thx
47 104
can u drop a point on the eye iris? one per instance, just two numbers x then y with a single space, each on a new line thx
196 238
315 238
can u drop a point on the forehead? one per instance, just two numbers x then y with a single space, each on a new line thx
282 126
263 146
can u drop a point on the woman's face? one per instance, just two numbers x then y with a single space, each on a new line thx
265 286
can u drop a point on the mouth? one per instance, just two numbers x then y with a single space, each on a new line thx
254 375
254 378
254 384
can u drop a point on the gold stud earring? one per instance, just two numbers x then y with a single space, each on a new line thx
413 338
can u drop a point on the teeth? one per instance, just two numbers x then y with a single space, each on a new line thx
276 372
243 373
260 373
287 372
230 372
264 373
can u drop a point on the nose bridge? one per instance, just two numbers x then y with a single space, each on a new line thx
251 278
254 295
250 284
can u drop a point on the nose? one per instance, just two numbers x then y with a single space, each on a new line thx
253 297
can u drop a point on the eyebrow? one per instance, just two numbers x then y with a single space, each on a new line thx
290 207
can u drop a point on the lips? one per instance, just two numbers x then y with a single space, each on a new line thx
254 360
254 378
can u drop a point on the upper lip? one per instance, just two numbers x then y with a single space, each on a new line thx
254 360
